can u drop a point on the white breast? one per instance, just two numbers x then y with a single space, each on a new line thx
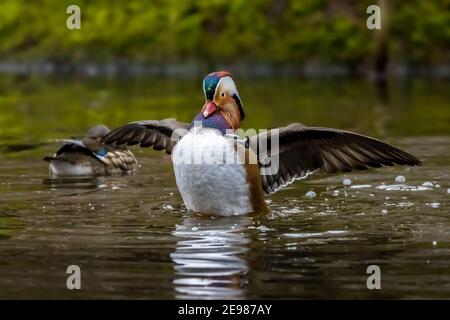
210 176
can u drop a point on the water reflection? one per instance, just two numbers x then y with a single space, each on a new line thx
209 258
114 182
78 182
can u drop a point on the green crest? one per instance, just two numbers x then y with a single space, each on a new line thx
209 84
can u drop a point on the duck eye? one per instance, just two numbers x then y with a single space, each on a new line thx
223 94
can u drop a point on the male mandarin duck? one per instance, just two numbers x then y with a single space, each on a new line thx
234 182
90 157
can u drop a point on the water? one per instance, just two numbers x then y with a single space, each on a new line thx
133 238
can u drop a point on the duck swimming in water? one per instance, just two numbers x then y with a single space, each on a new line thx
235 182
89 157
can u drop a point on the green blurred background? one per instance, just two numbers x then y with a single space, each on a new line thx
312 61
223 31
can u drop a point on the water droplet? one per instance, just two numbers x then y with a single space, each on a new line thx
434 243
310 194
194 229
384 211
168 207
400 179
263 228
427 184
347 182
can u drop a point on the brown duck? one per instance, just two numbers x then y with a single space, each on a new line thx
89 157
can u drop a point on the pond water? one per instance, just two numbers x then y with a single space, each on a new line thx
132 237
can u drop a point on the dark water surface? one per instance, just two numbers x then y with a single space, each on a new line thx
133 238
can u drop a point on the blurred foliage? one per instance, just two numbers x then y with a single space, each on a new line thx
222 31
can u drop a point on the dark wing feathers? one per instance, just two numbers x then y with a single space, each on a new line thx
303 150
146 133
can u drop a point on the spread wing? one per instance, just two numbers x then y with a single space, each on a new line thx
304 150
159 134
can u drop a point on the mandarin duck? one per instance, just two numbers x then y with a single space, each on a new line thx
219 173
89 157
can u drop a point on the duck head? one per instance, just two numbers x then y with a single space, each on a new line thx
98 131
223 107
